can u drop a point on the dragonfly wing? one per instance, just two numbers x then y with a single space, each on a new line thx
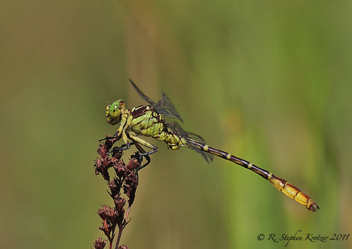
196 137
188 137
146 98
207 156
167 111
166 104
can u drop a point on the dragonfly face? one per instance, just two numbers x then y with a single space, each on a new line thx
114 111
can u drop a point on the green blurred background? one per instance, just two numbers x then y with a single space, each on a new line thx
268 81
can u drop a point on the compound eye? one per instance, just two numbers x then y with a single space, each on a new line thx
115 107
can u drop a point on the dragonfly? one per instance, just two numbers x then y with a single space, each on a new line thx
150 121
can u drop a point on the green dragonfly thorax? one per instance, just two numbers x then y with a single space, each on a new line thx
114 112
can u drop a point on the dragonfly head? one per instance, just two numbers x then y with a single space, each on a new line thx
114 111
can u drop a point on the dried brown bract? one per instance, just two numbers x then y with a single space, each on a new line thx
126 179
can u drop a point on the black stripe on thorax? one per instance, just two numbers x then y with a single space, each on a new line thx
140 110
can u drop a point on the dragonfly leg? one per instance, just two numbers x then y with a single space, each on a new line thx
146 164
109 137
121 148
140 149
121 129
125 146
140 141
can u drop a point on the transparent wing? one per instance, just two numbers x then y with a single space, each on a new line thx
189 136
164 108
207 156
167 105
